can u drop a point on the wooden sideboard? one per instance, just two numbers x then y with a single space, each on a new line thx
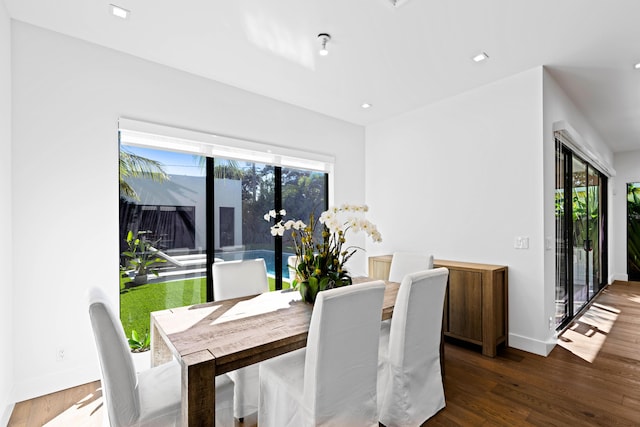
476 304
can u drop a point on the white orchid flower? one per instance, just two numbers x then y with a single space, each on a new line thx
326 216
277 229
333 225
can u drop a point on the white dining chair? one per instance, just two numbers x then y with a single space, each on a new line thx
240 278
292 263
331 382
234 279
410 388
404 263
152 397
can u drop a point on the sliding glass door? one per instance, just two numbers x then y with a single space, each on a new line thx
580 233
180 212
633 231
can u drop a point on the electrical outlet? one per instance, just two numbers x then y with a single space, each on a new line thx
551 324
60 354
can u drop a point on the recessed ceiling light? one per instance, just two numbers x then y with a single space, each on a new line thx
637 66
398 3
118 11
480 57
366 105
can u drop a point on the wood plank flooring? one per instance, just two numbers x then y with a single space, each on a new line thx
514 389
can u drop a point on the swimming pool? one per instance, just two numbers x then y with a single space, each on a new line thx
267 255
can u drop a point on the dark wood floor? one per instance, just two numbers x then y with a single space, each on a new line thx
514 389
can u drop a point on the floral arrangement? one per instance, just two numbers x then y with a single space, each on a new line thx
320 264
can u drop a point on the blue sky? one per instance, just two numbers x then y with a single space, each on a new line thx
173 163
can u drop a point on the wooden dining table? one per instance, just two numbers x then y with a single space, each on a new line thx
217 337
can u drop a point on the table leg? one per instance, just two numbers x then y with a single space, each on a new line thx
160 352
198 389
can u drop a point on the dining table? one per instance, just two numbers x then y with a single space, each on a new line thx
216 337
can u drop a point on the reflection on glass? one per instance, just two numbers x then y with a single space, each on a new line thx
593 242
244 192
580 234
303 194
562 300
163 224
162 233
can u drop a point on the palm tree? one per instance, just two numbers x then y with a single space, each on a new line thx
134 166
225 169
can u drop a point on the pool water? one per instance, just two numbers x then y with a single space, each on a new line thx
267 255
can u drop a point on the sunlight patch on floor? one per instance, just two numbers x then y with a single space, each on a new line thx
87 412
586 335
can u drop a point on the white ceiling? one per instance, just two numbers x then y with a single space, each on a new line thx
397 59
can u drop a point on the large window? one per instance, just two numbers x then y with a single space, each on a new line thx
581 251
180 212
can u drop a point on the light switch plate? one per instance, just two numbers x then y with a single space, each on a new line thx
521 242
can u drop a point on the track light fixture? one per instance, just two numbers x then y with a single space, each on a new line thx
324 38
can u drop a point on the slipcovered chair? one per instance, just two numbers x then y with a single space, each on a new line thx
410 389
331 382
233 279
152 397
292 261
404 263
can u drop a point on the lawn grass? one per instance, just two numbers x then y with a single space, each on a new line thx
136 303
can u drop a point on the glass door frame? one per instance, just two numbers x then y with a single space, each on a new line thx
565 234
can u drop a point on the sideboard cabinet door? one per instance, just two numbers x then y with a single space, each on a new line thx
465 305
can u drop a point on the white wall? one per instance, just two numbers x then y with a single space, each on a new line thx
6 284
627 165
559 107
462 178
68 95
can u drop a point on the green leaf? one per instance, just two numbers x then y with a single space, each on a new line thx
323 283
313 284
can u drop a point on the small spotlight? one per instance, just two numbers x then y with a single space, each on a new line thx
480 57
366 105
637 66
120 12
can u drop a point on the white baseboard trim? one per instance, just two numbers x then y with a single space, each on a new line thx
541 348
6 414
35 387
618 276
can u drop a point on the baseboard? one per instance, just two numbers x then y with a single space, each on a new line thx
541 348
618 276
35 387
6 414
